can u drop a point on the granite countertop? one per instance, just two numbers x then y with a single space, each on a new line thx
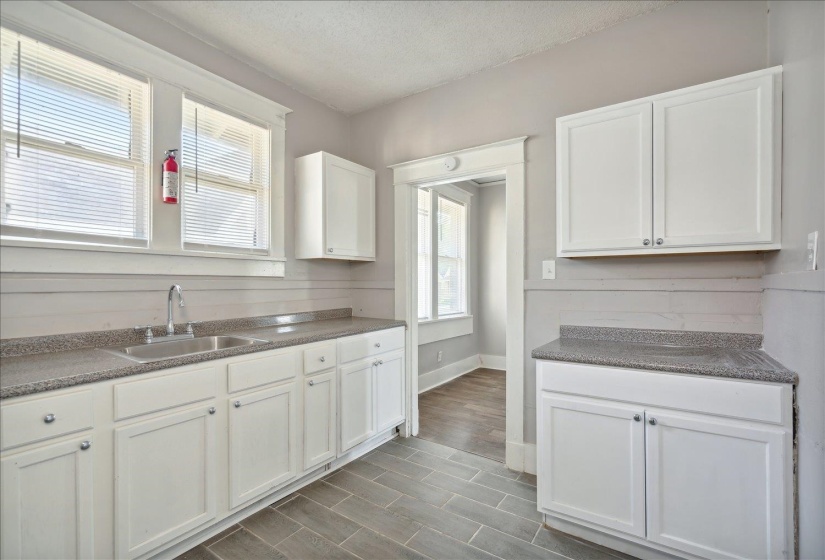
42 370
731 355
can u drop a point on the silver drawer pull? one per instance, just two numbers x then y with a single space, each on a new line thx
85 445
311 383
237 404
211 410
660 241
49 418
323 359
646 242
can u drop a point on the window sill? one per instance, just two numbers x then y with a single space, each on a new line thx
443 329
24 256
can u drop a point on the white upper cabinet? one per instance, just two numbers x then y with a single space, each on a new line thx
694 170
334 209
605 206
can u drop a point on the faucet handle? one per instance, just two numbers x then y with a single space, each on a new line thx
190 325
147 332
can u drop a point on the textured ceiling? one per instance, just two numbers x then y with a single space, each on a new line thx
359 54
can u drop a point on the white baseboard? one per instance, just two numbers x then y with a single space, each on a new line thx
493 362
433 379
521 457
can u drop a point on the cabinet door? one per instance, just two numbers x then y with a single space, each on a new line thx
357 398
604 180
320 419
713 156
349 211
47 503
165 479
389 391
591 461
262 442
715 487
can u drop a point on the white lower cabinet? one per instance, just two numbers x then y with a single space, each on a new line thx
180 450
164 478
263 428
599 442
389 390
715 486
357 396
710 476
47 502
320 419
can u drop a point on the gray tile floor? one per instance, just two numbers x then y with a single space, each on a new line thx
409 499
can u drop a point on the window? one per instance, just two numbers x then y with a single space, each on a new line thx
442 253
75 144
225 181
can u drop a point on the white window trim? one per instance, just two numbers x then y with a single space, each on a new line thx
450 326
170 77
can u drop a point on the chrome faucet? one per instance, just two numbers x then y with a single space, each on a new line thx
170 325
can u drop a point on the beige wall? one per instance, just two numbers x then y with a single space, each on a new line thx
794 300
681 45
47 304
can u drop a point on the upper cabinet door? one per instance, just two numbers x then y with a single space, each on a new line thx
714 154
350 209
604 180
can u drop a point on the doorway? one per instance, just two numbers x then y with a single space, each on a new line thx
502 159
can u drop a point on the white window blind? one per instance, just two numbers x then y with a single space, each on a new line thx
451 257
226 181
424 255
75 144
442 255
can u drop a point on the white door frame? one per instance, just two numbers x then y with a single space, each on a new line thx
500 157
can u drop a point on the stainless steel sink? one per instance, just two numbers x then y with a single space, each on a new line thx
144 353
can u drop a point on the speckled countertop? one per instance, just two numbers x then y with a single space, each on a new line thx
730 355
48 370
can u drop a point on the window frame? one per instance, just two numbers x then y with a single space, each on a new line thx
439 327
169 79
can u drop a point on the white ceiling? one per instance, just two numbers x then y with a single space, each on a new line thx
359 54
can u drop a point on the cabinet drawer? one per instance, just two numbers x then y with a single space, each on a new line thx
160 393
319 358
371 344
263 371
26 422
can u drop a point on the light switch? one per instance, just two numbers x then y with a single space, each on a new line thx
548 270
813 239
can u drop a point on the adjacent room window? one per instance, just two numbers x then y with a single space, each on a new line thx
442 253
225 178
75 147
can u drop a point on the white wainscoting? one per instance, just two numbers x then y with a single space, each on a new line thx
440 376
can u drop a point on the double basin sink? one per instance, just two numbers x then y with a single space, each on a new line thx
145 353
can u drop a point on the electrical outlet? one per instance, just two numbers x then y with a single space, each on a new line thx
439 356
813 239
548 270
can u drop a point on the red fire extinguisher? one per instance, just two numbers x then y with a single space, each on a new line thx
170 178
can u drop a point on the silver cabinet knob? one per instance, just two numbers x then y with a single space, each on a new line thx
323 359
637 417
646 242
659 241
652 421
311 383
211 410
85 445
237 404
378 345
330 249
49 418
